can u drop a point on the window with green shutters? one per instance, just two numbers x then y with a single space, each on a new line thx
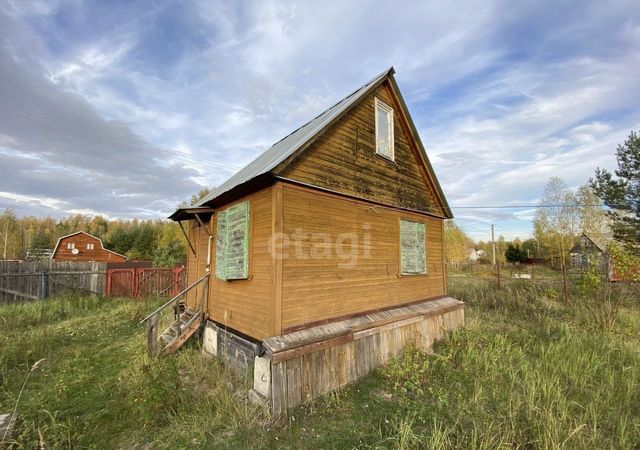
412 248
232 243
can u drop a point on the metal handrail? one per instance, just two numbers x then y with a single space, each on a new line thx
169 302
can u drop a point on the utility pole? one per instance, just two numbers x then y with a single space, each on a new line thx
493 245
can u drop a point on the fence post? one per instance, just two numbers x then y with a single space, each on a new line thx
44 285
136 282
107 289
152 334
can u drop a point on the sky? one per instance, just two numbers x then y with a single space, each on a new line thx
126 108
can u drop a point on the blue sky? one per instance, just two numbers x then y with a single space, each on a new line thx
125 108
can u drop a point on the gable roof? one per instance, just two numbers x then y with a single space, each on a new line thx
579 240
299 139
55 249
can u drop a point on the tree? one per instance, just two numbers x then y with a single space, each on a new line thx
531 248
119 239
195 198
515 253
171 246
40 241
8 226
621 193
456 243
145 243
594 221
556 222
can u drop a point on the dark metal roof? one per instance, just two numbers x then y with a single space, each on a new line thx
284 148
261 168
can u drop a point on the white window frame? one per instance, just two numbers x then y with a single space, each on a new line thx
70 245
379 104
90 246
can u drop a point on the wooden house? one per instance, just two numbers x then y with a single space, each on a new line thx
81 246
323 257
584 253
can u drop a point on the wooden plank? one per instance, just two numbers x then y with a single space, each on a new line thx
316 373
185 334
360 314
294 391
18 294
387 327
152 335
310 348
306 377
278 388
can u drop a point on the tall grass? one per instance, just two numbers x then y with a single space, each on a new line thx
99 388
527 372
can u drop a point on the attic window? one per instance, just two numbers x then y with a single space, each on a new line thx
384 129
413 260
89 246
70 245
232 243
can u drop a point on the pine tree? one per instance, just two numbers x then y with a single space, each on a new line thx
621 193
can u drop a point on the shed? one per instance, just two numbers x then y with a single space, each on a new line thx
326 252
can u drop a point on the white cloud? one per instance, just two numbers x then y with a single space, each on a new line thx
504 95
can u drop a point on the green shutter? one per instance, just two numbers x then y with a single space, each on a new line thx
221 245
421 263
232 243
412 248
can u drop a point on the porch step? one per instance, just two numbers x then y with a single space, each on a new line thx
180 331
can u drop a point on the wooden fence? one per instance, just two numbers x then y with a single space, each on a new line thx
32 280
143 282
21 281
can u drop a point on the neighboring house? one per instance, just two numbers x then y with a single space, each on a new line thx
81 246
332 232
475 255
585 253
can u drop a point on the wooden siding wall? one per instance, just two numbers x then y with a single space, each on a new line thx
247 305
344 160
81 240
318 288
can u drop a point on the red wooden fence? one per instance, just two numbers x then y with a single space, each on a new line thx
142 282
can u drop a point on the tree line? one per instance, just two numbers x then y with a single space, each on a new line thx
160 241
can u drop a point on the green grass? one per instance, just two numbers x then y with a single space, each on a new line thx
527 372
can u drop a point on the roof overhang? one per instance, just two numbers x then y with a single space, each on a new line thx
190 213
